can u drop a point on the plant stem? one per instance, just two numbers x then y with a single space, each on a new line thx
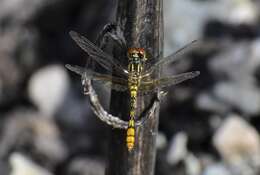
142 24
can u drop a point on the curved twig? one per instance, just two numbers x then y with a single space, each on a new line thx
109 119
97 108
150 112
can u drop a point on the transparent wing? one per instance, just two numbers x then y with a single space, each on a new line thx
114 86
97 54
171 58
76 69
151 85
113 82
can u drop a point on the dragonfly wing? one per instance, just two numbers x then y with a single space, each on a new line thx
101 57
76 69
147 86
114 86
116 83
171 58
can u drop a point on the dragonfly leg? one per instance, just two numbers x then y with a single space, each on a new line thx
84 80
151 109
161 95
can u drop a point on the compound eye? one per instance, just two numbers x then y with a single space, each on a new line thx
140 55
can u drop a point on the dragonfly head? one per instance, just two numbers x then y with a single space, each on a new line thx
136 59
136 55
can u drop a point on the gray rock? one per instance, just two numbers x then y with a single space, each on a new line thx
193 165
243 96
17 61
237 141
86 166
178 148
181 27
19 11
21 165
216 169
207 101
161 141
26 128
236 62
48 88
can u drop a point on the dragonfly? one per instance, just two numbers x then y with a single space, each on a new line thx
135 78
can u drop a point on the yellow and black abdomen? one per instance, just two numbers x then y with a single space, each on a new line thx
136 58
130 136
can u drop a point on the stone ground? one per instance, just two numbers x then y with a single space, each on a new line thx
209 125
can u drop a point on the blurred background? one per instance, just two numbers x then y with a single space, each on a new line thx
208 126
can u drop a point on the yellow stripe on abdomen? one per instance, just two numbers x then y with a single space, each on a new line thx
130 135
